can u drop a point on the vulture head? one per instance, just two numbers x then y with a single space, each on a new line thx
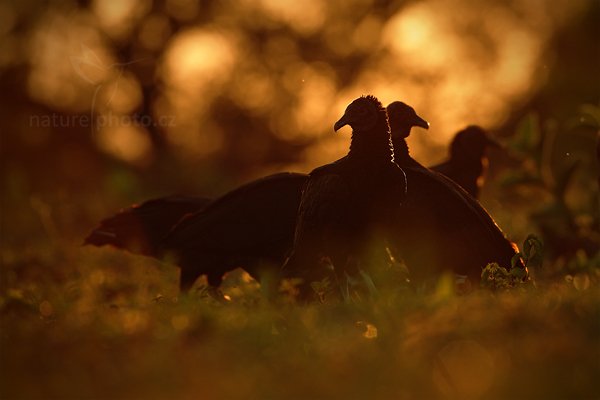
471 143
362 114
402 118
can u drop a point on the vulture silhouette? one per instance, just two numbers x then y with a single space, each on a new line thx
140 228
249 227
253 226
442 227
346 204
468 162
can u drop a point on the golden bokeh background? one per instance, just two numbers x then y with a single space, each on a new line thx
121 100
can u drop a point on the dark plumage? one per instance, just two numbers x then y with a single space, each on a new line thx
345 204
468 161
250 227
442 226
140 228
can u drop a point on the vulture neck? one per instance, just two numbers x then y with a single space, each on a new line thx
467 157
474 164
401 150
372 145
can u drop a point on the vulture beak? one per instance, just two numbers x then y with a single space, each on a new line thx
342 122
421 122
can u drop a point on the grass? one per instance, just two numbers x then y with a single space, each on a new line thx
97 324
87 323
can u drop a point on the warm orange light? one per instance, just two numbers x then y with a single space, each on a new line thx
123 140
305 17
122 94
199 58
117 18
196 66
68 62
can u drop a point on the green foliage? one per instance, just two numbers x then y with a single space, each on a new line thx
104 324
533 251
529 135
322 288
557 171
532 254
495 277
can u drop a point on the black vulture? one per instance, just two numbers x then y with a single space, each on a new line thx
140 228
250 227
442 227
346 204
468 161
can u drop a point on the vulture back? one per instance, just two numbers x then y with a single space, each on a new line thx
442 227
140 228
254 220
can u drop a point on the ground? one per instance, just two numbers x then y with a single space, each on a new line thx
82 322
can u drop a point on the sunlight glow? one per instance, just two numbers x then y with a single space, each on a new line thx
68 61
197 64
448 59
305 17
118 17
122 94
453 69
312 84
127 142
254 91
412 30
198 58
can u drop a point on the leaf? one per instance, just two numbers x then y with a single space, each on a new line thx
563 179
533 249
528 136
